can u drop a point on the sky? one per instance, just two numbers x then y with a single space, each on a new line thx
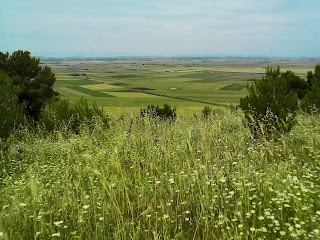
102 28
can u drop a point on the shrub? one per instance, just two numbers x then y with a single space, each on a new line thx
60 114
269 107
206 111
311 100
11 112
164 113
295 84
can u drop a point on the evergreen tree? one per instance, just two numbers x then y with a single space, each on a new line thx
269 106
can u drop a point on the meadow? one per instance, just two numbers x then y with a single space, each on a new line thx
141 178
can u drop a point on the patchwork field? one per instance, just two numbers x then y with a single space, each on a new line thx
188 84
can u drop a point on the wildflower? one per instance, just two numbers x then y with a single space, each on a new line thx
85 206
56 234
171 180
101 218
165 216
260 217
158 182
282 233
22 204
58 223
223 179
5 206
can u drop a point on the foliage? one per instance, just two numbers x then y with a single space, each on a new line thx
311 101
206 111
314 78
61 114
164 113
11 113
191 180
34 81
295 84
269 106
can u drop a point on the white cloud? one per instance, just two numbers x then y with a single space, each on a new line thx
157 27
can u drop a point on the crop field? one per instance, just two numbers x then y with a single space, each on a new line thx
130 84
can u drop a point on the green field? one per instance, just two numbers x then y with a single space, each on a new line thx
131 84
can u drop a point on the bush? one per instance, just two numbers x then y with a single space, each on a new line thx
311 101
60 114
295 84
206 111
164 113
269 107
11 112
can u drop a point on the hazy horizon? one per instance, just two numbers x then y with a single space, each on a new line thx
127 28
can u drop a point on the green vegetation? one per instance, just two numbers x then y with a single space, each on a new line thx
193 179
234 86
271 104
89 91
60 115
136 84
11 112
78 174
311 102
164 113
35 83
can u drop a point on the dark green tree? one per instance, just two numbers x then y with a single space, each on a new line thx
295 84
11 113
311 101
314 78
269 107
35 82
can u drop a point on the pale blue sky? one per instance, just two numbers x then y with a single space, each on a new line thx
275 28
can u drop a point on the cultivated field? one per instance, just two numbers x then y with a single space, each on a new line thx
123 85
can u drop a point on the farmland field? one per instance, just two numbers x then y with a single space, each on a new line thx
127 84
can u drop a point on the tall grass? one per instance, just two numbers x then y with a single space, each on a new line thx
143 179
